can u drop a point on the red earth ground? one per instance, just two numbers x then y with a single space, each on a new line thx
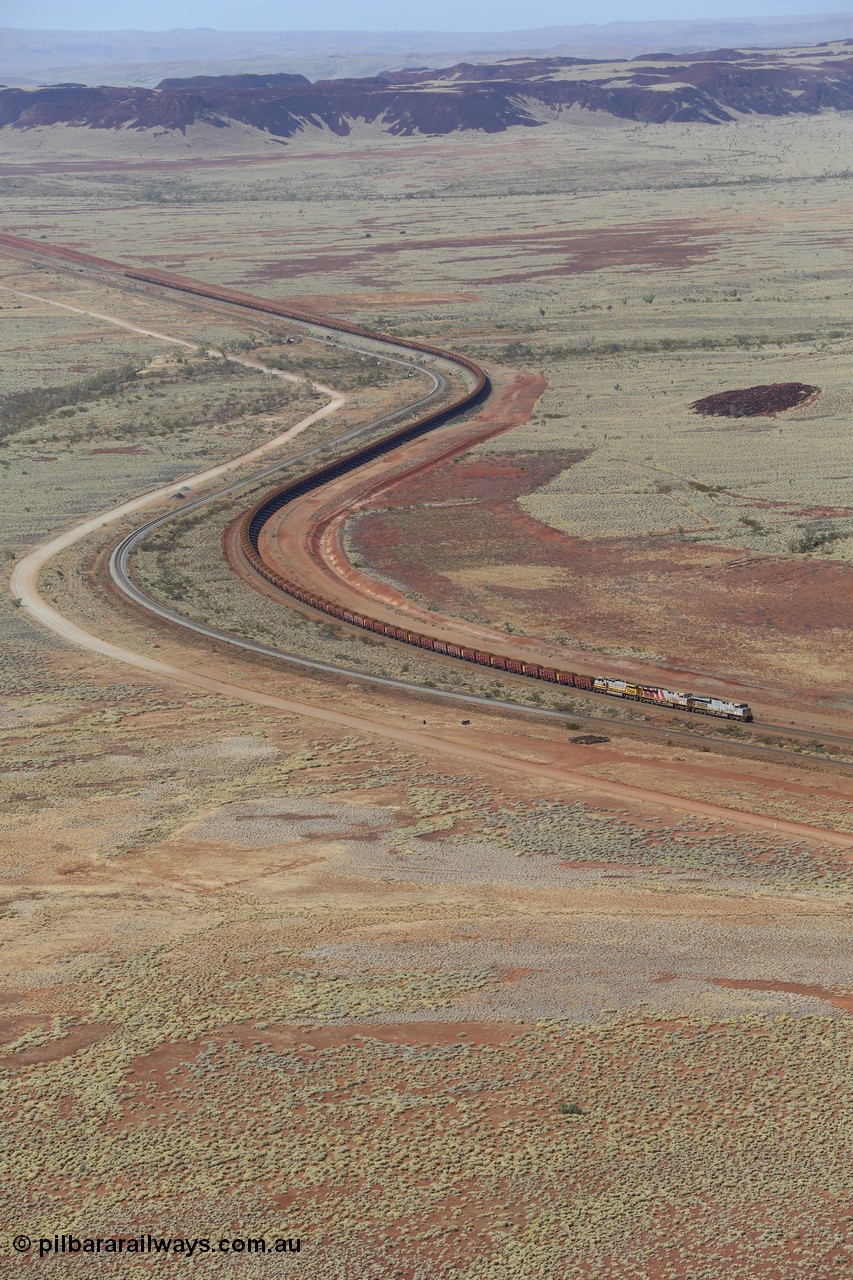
429 532
657 592
665 243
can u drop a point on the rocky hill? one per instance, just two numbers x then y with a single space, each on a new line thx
710 87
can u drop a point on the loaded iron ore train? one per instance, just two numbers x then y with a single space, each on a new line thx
250 530
719 707
255 519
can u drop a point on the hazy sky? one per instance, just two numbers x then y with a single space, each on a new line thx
381 15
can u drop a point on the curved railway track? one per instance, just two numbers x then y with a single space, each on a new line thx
258 516
254 519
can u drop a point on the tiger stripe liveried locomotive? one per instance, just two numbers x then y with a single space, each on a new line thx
721 707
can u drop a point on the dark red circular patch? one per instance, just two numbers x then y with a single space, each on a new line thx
755 402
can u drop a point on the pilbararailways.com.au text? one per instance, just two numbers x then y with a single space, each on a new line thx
185 1246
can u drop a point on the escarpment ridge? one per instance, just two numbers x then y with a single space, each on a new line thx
709 87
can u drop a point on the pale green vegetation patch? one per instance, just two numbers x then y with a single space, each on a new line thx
199 390
653 466
635 1139
129 429
586 514
44 347
573 833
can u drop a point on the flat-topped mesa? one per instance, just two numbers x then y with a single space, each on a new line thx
710 88
764 401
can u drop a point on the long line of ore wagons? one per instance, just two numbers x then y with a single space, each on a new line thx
256 518
598 684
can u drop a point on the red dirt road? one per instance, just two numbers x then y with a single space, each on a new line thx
306 534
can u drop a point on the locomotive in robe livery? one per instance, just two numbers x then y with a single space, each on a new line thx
668 698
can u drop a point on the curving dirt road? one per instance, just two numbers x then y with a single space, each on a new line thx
336 399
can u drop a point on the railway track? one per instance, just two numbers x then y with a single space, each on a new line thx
120 575
256 518
119 564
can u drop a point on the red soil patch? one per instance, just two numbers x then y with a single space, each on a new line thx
841 1000
764 401
495 479
329 304
14 1025
418 1033
76 1039
178 1053
670 595
667 243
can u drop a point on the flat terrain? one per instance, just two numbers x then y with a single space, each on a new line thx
439 997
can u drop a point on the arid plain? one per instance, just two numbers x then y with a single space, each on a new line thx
432 986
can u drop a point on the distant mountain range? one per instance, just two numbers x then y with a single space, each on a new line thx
146 57
711 87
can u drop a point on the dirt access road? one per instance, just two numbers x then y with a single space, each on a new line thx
25 587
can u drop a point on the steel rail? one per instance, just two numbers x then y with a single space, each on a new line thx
120 575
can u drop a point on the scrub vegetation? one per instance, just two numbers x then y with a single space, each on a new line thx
268 976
